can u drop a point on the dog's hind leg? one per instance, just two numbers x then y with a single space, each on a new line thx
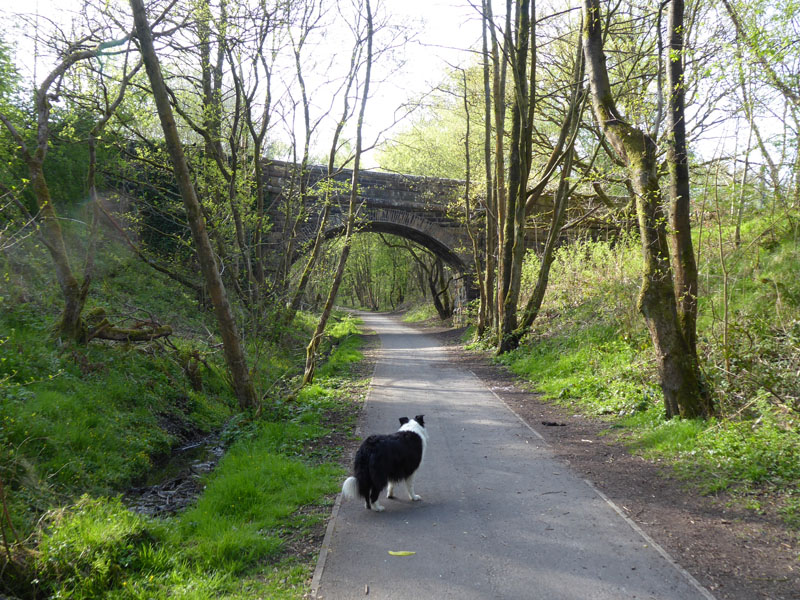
410 489
373 499
378 483
390 490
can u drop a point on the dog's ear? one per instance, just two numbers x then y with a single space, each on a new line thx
420 419
403 420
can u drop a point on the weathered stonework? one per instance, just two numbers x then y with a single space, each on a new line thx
404 205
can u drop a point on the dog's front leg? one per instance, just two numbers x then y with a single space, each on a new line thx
390 490
410 488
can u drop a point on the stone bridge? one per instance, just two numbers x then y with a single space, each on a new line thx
408 206
416 208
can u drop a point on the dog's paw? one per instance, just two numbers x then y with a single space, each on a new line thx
378 507
416 497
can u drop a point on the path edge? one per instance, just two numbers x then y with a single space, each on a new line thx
326 541
631 523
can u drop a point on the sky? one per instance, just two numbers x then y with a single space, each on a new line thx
444 31
448 29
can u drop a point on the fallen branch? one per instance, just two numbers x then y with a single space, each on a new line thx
143 331
118 334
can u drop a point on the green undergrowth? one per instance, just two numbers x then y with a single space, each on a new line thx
81 424
92 419
419 313
723 453
273 484
593 367
590 353
345 344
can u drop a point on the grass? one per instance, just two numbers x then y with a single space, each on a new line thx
579 367
97 548
80 424
237 520
345 342
590 351
270 486
88 419
419 313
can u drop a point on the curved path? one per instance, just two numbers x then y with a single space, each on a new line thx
500 518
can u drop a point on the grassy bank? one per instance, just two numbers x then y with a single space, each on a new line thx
420 312
81 424
590 351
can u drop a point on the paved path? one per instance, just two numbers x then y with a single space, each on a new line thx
500 518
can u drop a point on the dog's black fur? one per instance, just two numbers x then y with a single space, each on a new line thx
386 459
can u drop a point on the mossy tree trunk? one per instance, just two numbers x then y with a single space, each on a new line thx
683 258
678 369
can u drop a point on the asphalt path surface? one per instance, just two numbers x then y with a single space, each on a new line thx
500 517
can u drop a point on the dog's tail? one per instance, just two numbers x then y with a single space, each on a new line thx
350 488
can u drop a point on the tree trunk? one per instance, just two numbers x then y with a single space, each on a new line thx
682 251
473 237
487 281
234 352
499 190
677 369
70 325
518 170
439 290
559 206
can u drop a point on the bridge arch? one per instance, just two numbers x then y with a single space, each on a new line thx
411 207
442 243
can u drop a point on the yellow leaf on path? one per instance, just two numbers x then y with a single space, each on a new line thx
401 552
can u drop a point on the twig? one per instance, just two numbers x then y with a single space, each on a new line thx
7 519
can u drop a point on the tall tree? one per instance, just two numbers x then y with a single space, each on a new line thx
328 185
74 285
486 310
519 165
678 370
499 71
561 201
313 345
232 345
257 116
70 325
682 251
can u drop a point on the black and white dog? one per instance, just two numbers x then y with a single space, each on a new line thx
387 460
